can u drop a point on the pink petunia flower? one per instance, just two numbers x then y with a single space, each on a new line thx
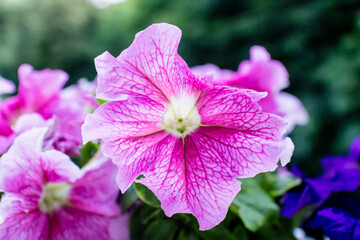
40 96
6 86
70 110
48 197
190 140
262 74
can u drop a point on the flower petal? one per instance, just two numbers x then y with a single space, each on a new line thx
58 167
5 128
12 204
7 135
168 180
213 72
235 108
23 220
336 223
37 88
149 67
73 224
137 156
119 228
20 169
25 168
193 181
292 110
6 86
259 53
261 73
200 178
131 118
245 154
23 123
70 110
5 142
30 120
96 190
355 147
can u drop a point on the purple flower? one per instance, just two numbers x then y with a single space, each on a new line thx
262 74
46 196
341 173
338 217
190 141
40 99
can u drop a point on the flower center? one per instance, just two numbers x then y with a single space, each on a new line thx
54 196
181 116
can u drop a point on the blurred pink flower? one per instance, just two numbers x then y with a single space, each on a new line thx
6 86
190 140
70 110
262 74
46 196
41 99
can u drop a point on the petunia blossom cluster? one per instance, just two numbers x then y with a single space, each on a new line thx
42 102
188 135
45 194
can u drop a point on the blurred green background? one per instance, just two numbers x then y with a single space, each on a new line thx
318 42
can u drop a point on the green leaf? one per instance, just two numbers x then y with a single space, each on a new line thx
87 152
146 195
216 233
275 232
153 215
283 184
277 185
161 230
253 205
183 235
141 218
128 199
240 232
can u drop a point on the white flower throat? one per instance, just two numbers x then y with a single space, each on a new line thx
181 116
54 196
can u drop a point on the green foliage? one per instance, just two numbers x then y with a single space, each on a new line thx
146 195
155 225
253 205
160 230
87 153
128 199
218 232
276 185
183 235
277 232
140 220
